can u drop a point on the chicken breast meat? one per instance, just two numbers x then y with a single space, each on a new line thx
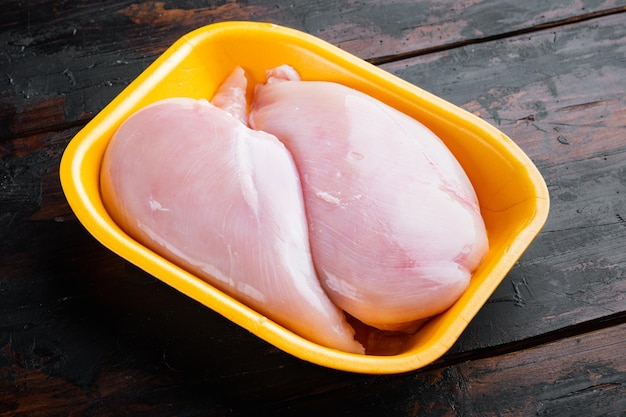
316 201
192 182
394 222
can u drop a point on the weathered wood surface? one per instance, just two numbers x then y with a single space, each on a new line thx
121 358
84 333
66 60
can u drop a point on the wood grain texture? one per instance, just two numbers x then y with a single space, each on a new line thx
84 333
129 355
578 376
66 60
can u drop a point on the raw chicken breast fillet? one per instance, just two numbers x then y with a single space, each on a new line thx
192 182
394 223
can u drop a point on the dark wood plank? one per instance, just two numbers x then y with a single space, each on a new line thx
585 375
65 61
82 332
81 329
97 340
560 96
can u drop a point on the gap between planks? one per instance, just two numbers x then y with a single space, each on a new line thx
573 330
524 31
406 55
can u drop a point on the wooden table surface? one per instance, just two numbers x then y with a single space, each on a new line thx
84 333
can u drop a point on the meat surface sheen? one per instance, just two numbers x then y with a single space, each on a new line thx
190 181
394 223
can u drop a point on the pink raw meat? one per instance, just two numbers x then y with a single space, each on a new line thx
394 222
190 181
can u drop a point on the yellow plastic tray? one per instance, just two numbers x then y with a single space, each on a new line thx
513 196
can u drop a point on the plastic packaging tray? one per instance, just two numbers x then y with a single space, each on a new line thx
512 194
